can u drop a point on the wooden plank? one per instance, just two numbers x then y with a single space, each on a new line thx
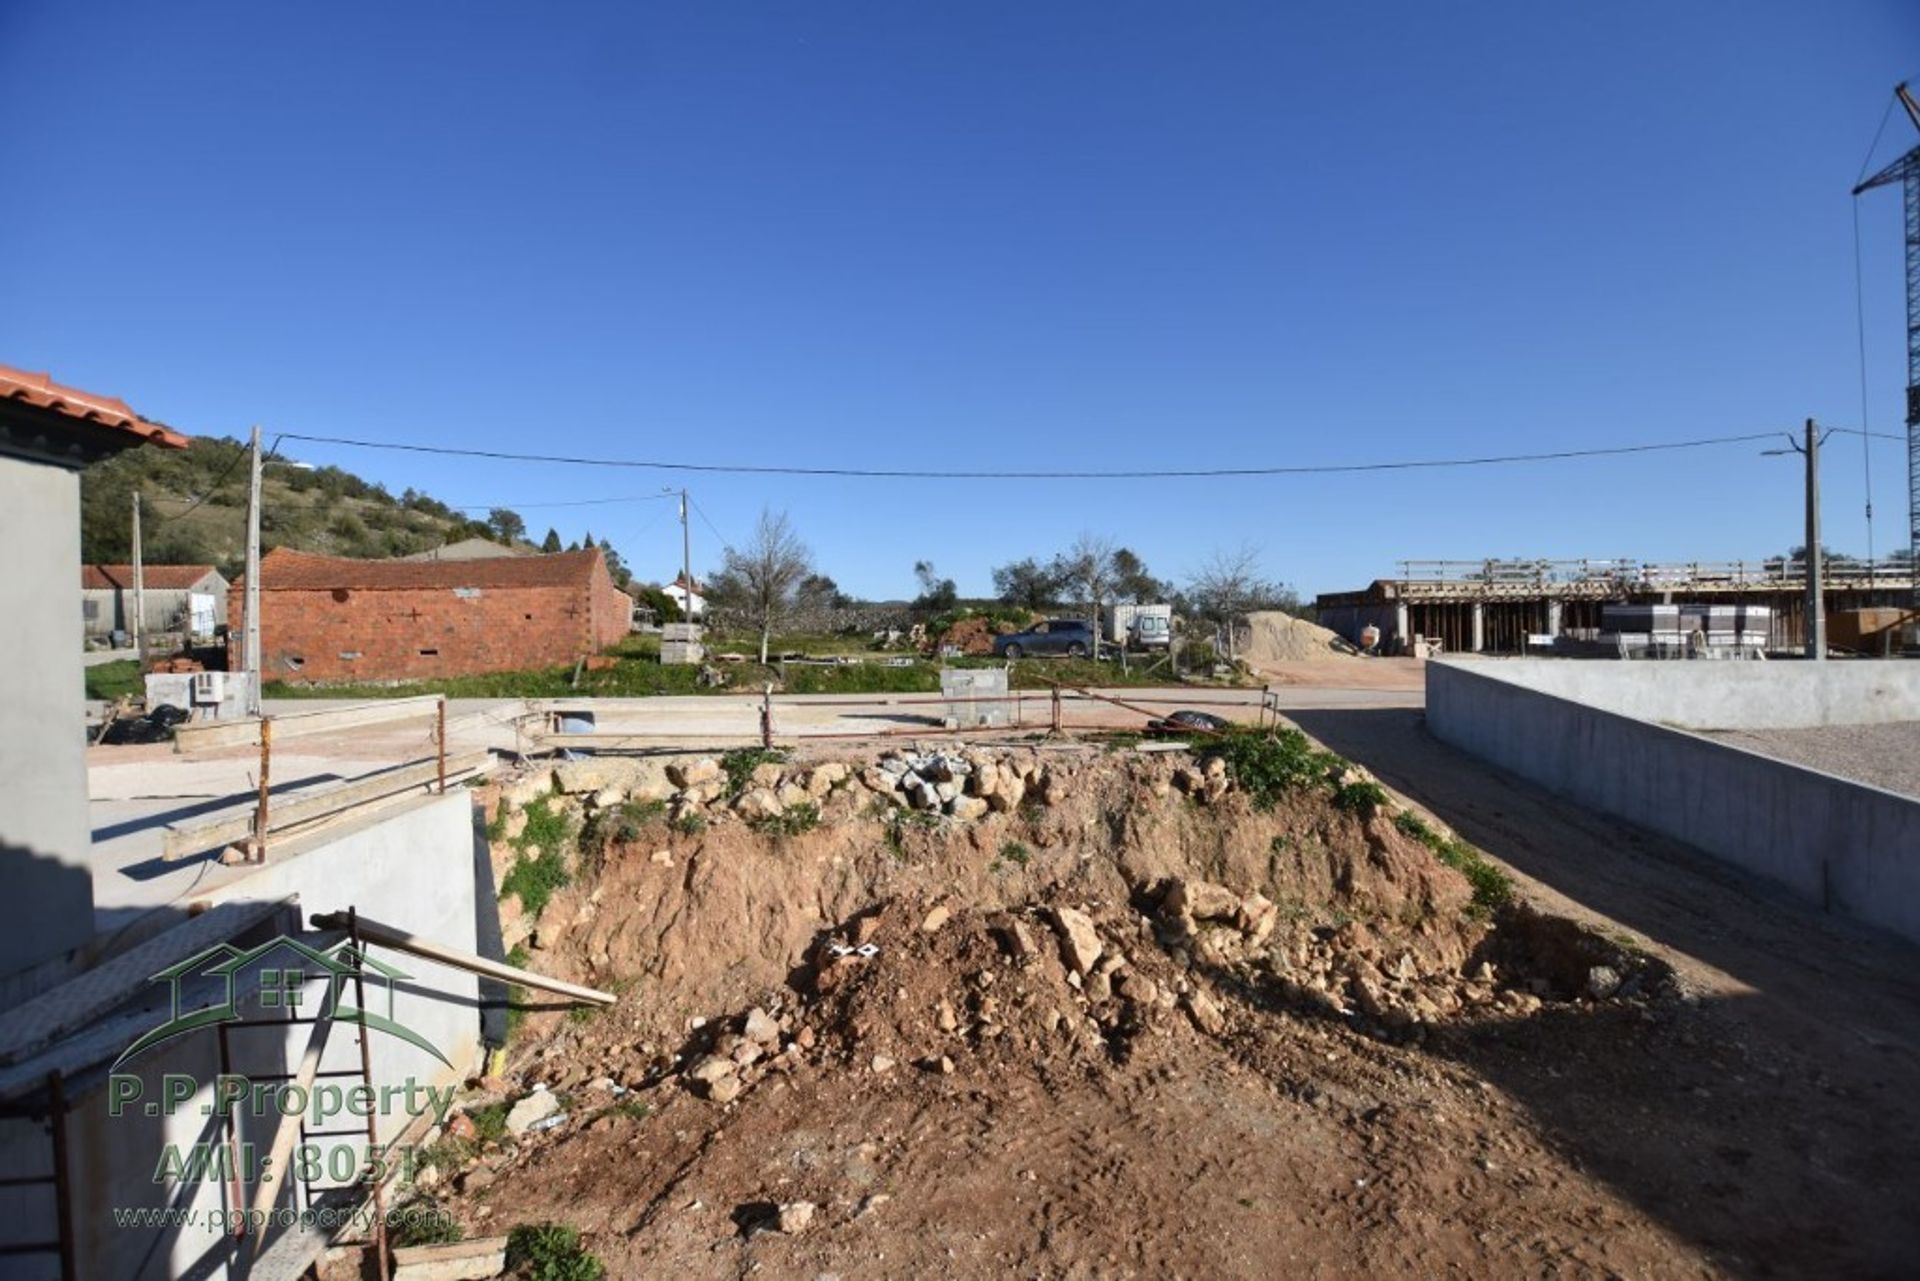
400 940
187 839
209 735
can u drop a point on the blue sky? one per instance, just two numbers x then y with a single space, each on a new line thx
1106 235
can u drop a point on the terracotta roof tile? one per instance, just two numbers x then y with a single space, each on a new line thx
40 391
159 577
283 569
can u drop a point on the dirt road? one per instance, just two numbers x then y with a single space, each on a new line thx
1806 1054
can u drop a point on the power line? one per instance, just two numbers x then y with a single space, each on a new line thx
701 511
1142 474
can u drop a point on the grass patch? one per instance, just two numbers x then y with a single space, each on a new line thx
1492 887
623 824
1361 799
551 1252
688 824
631 1109
740 764
793 821
1267 766
536 880
1015 853
423 1222
119 679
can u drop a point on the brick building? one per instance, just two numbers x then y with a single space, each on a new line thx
327 618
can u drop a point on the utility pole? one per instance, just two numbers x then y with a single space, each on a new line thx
686 559
250 638
1816 594
139 591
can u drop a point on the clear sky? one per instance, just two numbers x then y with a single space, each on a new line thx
1023 235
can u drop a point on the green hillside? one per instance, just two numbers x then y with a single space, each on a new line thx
196 509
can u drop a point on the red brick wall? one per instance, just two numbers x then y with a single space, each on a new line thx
421 633
612 609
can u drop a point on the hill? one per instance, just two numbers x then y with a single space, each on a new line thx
196 510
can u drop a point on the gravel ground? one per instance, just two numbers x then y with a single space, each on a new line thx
1883 755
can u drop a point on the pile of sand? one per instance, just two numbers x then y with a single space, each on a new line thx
1281 638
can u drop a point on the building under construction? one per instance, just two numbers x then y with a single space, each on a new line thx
1508 606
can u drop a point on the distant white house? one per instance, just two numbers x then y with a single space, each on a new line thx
692 604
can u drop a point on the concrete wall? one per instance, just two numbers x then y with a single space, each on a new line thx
47 910
1729 694
1842 845
413 867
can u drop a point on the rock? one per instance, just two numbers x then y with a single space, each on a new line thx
1080 943
1202 900
1602 982
765 775
1140 988
794 1217
946 791
711 1068
877 780
792 794
747 1053
823 778
882 1063
760 1027
923 794
1018 940
515 825
523 792
593 774
663 857
758 804
1205 1014
476 1180
536 1107
725 1090
967 808
1098 986
608 797
935 919
944 1017
693 773
1007 796
894 765
1256 917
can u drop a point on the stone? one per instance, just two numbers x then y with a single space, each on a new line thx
923 794
882 1063
943 1016
760 1027
608 797
792 794
935 919
823 778
946 791
1602 982
894 765
663 857
1018 940
693 773
877 780
795 1216
1007 796
1080 943
746 1053
536 1107
758 804
1257 917
1202 900
712 1068
1205 1014
967 808
523 792
1098 986
1139 988
725 1090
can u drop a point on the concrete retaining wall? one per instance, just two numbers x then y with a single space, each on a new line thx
1728 694
1848 847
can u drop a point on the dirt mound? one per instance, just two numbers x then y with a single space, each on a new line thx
972 636
1134 1025
1273 637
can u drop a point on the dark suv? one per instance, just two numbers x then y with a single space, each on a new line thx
1072 637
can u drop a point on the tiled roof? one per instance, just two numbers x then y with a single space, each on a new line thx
40 391
159 577
283 569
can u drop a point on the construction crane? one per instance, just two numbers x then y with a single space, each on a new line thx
1906 172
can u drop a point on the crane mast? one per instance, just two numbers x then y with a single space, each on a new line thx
1906 172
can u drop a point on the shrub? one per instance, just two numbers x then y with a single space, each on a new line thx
1492 887
795 820
740 764
1266 766
536 880
551 1252
1362 799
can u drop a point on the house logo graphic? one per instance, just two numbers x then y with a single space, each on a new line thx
285 966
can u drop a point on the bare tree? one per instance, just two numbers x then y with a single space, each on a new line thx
1227 585
1089 566
762 580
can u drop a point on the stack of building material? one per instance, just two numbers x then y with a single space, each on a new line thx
680 643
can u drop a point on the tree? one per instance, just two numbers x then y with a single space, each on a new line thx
761 579
937 594
551 543
1088 567
1229 584
505 526
817 591
1132 582
1026 583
